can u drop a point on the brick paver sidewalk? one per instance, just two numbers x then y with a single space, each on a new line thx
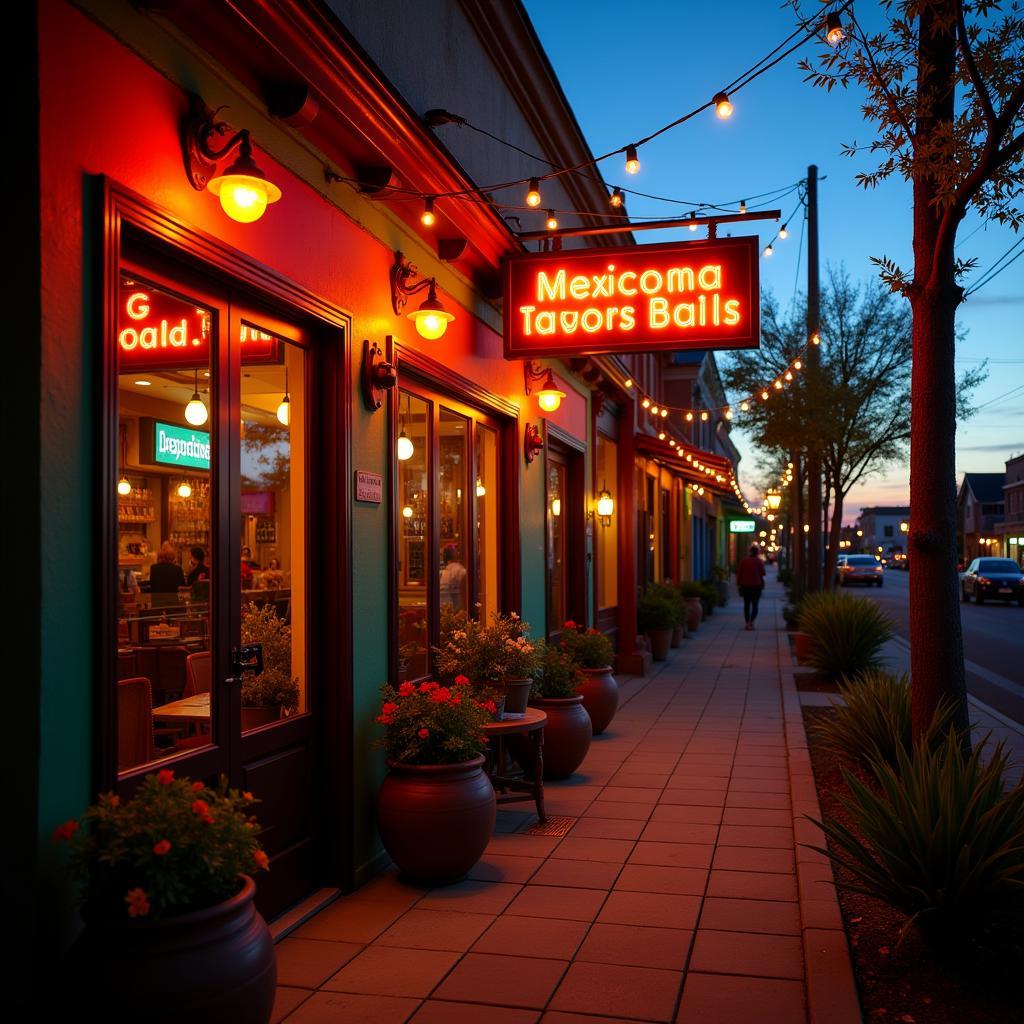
673 897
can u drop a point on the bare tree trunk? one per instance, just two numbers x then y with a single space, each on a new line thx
936 643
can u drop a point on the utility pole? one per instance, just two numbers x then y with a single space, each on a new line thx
814 509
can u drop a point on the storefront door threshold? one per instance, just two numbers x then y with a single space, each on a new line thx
298 915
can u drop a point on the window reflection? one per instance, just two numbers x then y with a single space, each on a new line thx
486 493
413 513
454 501
556 495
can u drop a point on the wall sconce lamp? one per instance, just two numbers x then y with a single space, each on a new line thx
430 317
244 190
549 395
378 375
605 506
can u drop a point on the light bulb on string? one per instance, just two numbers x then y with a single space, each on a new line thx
654 410
632 160
124 487
404 447
797 364
764 396
744 406
427 217
663 413
783 233
628 383
552 222
768 250
661 435
704 416
834 33
815 338
689 417
617 198
284 407
533 193
777 384
743 206
693 220
789 375
723 105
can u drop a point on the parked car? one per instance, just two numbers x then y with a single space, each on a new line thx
859 569
900 561
998 578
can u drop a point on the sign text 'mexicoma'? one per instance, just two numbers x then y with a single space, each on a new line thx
672 296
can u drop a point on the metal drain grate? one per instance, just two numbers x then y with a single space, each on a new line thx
556 825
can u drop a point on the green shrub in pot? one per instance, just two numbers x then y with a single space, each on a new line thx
654 612
670 592
589 648
275 686
557 676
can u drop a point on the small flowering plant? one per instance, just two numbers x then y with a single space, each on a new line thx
428 723
175 847
557 676
485 653
589 648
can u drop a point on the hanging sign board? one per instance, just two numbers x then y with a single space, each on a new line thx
637 298
741 526
167 444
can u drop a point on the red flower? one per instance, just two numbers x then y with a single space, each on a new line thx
138 905
593 632
406 689
162 847
389 708
261 860
200 807
62 833
386 719
489 705
165 777
568 624
197 787
428 687
462 681
423 733
247 796
441 696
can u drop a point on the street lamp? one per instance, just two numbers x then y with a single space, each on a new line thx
773 499
904 527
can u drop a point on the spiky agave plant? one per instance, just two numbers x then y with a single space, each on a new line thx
941 838
848 633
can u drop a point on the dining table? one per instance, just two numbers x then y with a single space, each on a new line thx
188 709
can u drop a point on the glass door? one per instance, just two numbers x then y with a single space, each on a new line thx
558 552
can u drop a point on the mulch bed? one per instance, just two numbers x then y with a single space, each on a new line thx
903 981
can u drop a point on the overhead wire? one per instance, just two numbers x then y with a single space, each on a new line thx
995 270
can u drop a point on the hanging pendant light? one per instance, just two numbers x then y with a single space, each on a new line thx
404 447
196 412
124 486
184 489
480 489
284 407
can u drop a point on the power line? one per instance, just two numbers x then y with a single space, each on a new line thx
1006 394
995 270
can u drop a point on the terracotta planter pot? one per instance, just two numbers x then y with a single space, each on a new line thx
694 614
566 735
253 718
803 644
659 639
722 587
436 819
517 695
600 695
207 967
677 636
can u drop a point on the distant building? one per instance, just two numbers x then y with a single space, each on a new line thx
879 529
979 507
1011 531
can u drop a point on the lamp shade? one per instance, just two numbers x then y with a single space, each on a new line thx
244 190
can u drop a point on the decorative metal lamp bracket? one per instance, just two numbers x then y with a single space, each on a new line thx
402 271
377 375
198 132
533 373
533 442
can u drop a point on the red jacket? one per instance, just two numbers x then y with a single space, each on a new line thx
750 572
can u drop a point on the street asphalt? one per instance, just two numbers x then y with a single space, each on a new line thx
993 642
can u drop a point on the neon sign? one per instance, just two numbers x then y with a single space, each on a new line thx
159 331
639 298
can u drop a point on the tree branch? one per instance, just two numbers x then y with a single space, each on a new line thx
890 100
972 68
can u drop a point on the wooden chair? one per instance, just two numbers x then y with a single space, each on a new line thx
126 665
198 670
134 722
170 672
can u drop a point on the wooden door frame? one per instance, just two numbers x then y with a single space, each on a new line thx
571 450
604 421
439 385
124 214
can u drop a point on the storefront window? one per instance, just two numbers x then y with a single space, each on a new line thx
607 536
413 537
454 502
557 548
486 492
272 500
164 562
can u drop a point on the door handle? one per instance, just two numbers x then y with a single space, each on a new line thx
246 658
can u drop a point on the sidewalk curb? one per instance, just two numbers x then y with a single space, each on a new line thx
828 969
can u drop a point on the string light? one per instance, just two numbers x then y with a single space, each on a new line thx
764 396
743 206
704 416
783 233
533 193
427 218
689 417
744 406
661 435
552 222
834 33
815 338
723 105
789 375
628 383
654 410
693 220
797 365
768 250
632 160
646 403
617 198
663 413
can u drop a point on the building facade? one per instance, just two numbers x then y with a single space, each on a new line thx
211 460
882 530
1011 530
980 510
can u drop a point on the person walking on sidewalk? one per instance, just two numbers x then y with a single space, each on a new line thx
750 580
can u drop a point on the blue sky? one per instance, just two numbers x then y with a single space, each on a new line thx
628 69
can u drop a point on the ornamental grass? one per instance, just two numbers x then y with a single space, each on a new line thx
848 633
940 836
176 846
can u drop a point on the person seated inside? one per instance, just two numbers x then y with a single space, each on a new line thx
165 576
197 567
247 573
248 559
273 576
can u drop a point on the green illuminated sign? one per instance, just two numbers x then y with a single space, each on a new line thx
741 526
180 446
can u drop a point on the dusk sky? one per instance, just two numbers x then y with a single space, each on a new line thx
629 69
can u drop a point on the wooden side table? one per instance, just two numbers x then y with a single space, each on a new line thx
511 788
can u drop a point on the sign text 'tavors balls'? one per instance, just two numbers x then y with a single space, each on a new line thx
638 298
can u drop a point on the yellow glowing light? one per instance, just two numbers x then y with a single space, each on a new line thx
552 222
632 160
616 198
789 376
723 106
427 217
646 403
480 489
777 384
404 447
124 487
768 250
807 528
556 506
661 435
834 33
798 365
764 396
533 193
605 506
744 406
815 338
407 512
196 412
783 233
244 191
184 489
693 220
628 383
431 319
284 411
550 399
743 206
728 414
